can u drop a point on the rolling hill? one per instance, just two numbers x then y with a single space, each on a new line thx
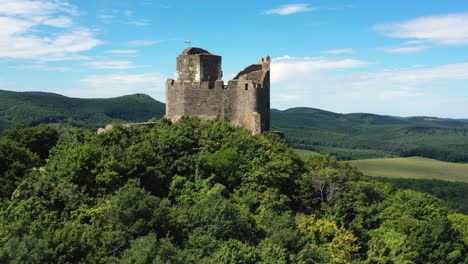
37 107
361 135
347 136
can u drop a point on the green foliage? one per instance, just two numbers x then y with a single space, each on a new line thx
451 152
413 223
455 194
15 163
208 192
236 252
339 244
326 178
459 223
39 140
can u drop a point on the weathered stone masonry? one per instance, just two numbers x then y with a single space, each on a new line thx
200 91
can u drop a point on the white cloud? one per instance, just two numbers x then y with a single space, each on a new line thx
290 68
404 50
451 29
419 75
143 43
339 51
34 8
122 52
21 37
126 17
319 83
290 9
59 22
111 85
138 22
392 94
45 67
111 65
150 42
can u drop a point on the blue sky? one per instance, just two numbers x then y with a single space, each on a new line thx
387 57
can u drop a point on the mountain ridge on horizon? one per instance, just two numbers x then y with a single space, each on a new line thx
306 108
347 136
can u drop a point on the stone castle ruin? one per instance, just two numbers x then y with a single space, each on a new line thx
200 91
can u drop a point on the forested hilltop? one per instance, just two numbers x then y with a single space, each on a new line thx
33 108
346 136
205 192
362 135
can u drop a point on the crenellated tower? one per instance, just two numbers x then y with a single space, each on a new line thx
200 91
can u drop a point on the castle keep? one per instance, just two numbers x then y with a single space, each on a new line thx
200 91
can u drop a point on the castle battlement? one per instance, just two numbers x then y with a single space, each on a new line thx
200 91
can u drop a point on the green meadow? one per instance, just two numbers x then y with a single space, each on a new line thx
414 168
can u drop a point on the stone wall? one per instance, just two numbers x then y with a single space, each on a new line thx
199 91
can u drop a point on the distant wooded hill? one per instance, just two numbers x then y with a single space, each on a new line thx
347 136
361 135
31 108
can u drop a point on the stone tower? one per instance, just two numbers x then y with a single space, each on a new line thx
200 91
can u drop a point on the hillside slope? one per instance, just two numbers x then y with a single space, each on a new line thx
36 107
347 136
361 135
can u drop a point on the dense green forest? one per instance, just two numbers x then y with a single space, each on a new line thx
361 136
32 108
346 136
455 194
206 192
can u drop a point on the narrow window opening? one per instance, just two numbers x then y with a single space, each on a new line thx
246 86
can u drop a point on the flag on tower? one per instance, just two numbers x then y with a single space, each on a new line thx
188 41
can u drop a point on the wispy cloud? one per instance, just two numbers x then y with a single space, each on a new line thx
290 9
122 51
326 83
138 22
111 65
126 17
290 68
58 22
405 49
338 51
35 8
111 85
44 67
22 38
404 92
143 43
450 29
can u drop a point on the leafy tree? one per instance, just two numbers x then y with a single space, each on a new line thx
39 140
415 228
339 243
208 192
15 162
236 252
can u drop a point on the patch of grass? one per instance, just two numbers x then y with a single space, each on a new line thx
413 168
304 152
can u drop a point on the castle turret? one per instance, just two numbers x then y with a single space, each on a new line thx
199 91
198 65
